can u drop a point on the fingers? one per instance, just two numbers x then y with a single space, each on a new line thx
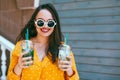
24 62
64 65
22 54
69 58
64 62
26 58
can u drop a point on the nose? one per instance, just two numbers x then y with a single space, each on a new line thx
45 24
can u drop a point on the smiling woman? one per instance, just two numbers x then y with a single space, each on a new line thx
44 23
45 33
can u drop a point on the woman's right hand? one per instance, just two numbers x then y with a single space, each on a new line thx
23 62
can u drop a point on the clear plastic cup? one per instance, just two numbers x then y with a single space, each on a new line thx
64 51
28 46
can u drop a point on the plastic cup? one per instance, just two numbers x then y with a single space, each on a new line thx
27 46
64 51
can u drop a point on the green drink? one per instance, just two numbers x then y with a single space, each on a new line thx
30 52
28 47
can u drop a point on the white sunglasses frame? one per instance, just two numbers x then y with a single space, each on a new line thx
45 23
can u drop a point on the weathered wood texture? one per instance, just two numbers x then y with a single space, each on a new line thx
94 34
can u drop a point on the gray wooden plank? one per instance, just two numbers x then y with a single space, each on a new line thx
96 53
98 76
88 4
69 1
98 69
94 36
90 12
91 20
91 28
46 1
63 1
84 79
98 61
95 44
86 0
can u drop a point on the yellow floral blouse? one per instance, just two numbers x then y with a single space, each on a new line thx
40 70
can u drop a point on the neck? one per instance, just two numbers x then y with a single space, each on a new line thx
40 43
41 40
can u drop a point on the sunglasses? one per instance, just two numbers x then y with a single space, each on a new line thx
41 23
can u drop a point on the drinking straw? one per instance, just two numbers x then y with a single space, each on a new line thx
66 38
27 35
26 38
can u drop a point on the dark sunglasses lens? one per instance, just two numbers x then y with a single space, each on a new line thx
51 23
40 23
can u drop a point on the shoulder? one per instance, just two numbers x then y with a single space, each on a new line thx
17 50
71 53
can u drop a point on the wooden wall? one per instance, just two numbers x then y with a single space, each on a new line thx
12 19
94 34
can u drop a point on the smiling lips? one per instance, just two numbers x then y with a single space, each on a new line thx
45 30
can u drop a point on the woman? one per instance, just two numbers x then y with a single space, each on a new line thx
45 33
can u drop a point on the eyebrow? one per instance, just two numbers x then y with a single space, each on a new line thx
43 19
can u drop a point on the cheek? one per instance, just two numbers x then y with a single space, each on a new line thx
52 30
38 30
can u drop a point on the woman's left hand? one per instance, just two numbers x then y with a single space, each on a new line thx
66 65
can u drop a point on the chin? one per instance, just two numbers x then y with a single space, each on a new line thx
45 34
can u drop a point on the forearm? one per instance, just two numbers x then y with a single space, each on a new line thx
69 72
17 70
14 73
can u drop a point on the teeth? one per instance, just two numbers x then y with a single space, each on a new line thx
44 30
